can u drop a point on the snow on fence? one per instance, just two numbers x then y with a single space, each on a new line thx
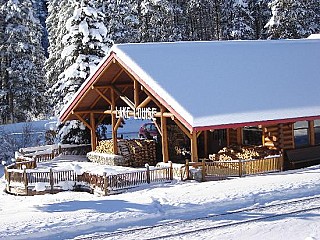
48 152
31 181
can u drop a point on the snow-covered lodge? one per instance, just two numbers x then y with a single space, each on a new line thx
215 94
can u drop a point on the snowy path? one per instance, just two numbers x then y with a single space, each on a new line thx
69 215
212 222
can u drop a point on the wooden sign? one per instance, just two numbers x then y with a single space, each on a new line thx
137 113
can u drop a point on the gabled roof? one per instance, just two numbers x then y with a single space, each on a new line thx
226 83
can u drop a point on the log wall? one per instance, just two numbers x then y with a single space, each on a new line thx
278 136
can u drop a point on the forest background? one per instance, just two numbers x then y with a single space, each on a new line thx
49 47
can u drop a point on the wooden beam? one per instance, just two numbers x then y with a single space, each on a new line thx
199 133
194 147
103 96
116 76
82 120
93 132
98 98
144 102
136 93
183 128
157 126
117 125
123 97
114 122
164 138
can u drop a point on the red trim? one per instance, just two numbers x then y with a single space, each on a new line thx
94 77
265 123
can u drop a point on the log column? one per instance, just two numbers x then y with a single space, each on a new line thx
164 138
114 123
194 147
93 132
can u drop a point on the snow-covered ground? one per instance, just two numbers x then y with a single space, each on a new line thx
69 215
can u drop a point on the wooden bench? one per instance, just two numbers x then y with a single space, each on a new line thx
303 155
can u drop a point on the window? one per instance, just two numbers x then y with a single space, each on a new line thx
317 132
252 136
301 134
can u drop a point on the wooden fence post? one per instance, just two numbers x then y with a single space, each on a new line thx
105 183
240 168
171 171
7 178
187 169
25 179
203 170
51 180
148 172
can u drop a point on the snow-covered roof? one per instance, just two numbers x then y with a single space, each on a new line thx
219 83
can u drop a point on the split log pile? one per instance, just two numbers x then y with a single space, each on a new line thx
134 152
242 152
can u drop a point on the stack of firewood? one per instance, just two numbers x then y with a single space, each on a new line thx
136 152
242 152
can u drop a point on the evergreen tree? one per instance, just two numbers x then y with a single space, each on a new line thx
85 43
22 57
293 18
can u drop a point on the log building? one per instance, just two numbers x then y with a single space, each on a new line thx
209 94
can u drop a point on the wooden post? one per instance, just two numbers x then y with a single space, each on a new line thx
187 169
203 170
205 139
93 132
171 170
114 122
148 172
194 147
7 178
51 180
311 133
25 180
239 136
136 93
105 183
164 138
240 168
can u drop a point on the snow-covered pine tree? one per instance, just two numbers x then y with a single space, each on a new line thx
85 43
260 14
22 57
293 18
157 22
121 20
59 11
241 27
4 105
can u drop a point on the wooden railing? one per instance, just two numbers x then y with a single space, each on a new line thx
23 182
239 168
49 152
